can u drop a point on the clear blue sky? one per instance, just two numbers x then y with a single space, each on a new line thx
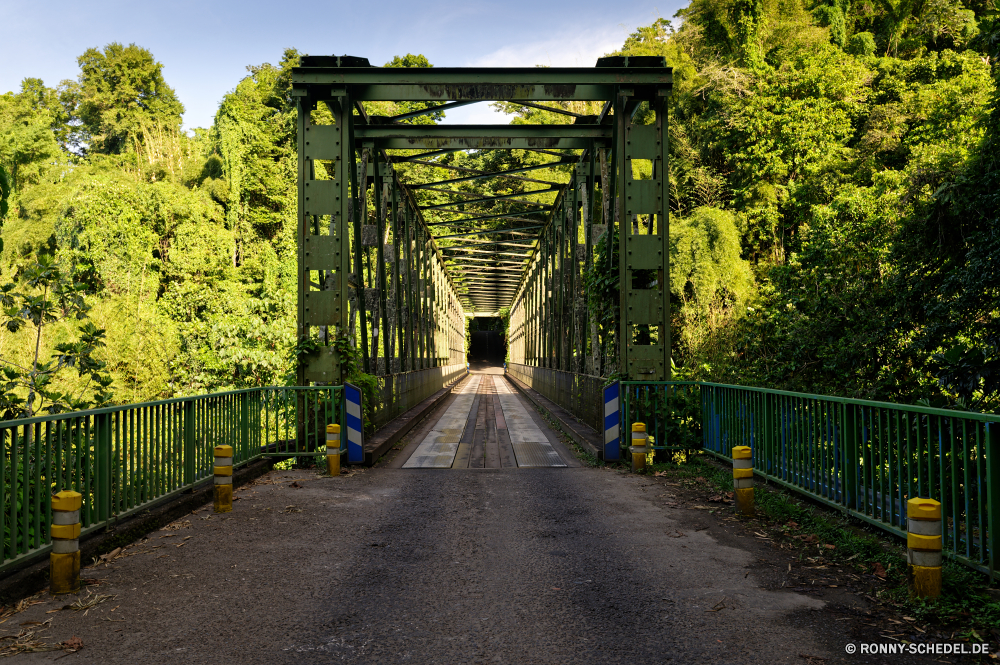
206 45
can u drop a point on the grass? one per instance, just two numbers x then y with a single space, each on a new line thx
966 606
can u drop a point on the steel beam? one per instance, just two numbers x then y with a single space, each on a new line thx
512 216
486 233
428 111
476 261
485 142
413 158
435 132
462 169
477 84
503 197
497 174
489 253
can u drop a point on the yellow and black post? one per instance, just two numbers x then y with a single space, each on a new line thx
923 546
333 450
638 448
743 479
223 479
64 561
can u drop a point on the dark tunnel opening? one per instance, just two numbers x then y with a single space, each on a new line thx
487 342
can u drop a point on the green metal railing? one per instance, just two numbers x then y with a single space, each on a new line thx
580 394
121 458
671 411
864 457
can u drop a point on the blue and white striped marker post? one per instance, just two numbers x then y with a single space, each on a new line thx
355 432
612 422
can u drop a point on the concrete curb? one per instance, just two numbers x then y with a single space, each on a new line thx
33 575
581 434
389 434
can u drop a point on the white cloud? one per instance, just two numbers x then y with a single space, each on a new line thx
476 114
579 48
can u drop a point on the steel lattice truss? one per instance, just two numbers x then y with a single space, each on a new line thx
375 272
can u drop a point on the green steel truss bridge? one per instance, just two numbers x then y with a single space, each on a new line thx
376 273
384 289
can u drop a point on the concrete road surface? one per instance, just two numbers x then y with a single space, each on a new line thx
474 565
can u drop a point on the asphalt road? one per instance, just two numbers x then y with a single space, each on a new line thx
390 565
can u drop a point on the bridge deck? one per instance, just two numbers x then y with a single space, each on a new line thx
486 425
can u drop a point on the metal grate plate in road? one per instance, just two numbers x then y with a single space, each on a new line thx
536 454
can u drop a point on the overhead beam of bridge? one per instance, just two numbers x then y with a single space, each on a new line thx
531 84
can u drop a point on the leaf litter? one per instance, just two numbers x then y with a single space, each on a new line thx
88 602
8 611
28 640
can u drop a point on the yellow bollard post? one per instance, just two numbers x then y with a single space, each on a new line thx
638 447
923 546
743 479
64 561
223 479
333 450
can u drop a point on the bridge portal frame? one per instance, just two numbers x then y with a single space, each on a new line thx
409 308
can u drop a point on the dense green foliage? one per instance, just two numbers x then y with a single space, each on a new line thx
855 147
182 246
834 212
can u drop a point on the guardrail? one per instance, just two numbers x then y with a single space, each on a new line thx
121 458
866 458
401 392
580 394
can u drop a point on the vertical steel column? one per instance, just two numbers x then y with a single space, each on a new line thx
540 303
421 287
359 268
661 171
572 221
397 282
302 229
560 212
343 121
547 317
425 300
411 327
644 300
536 305
618 177
587 220
433 310
381 211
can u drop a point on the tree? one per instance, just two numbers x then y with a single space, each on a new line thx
419 60
898 14
27 142
49 296
4 195
121 94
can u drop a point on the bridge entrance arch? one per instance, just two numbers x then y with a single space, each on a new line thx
396 246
